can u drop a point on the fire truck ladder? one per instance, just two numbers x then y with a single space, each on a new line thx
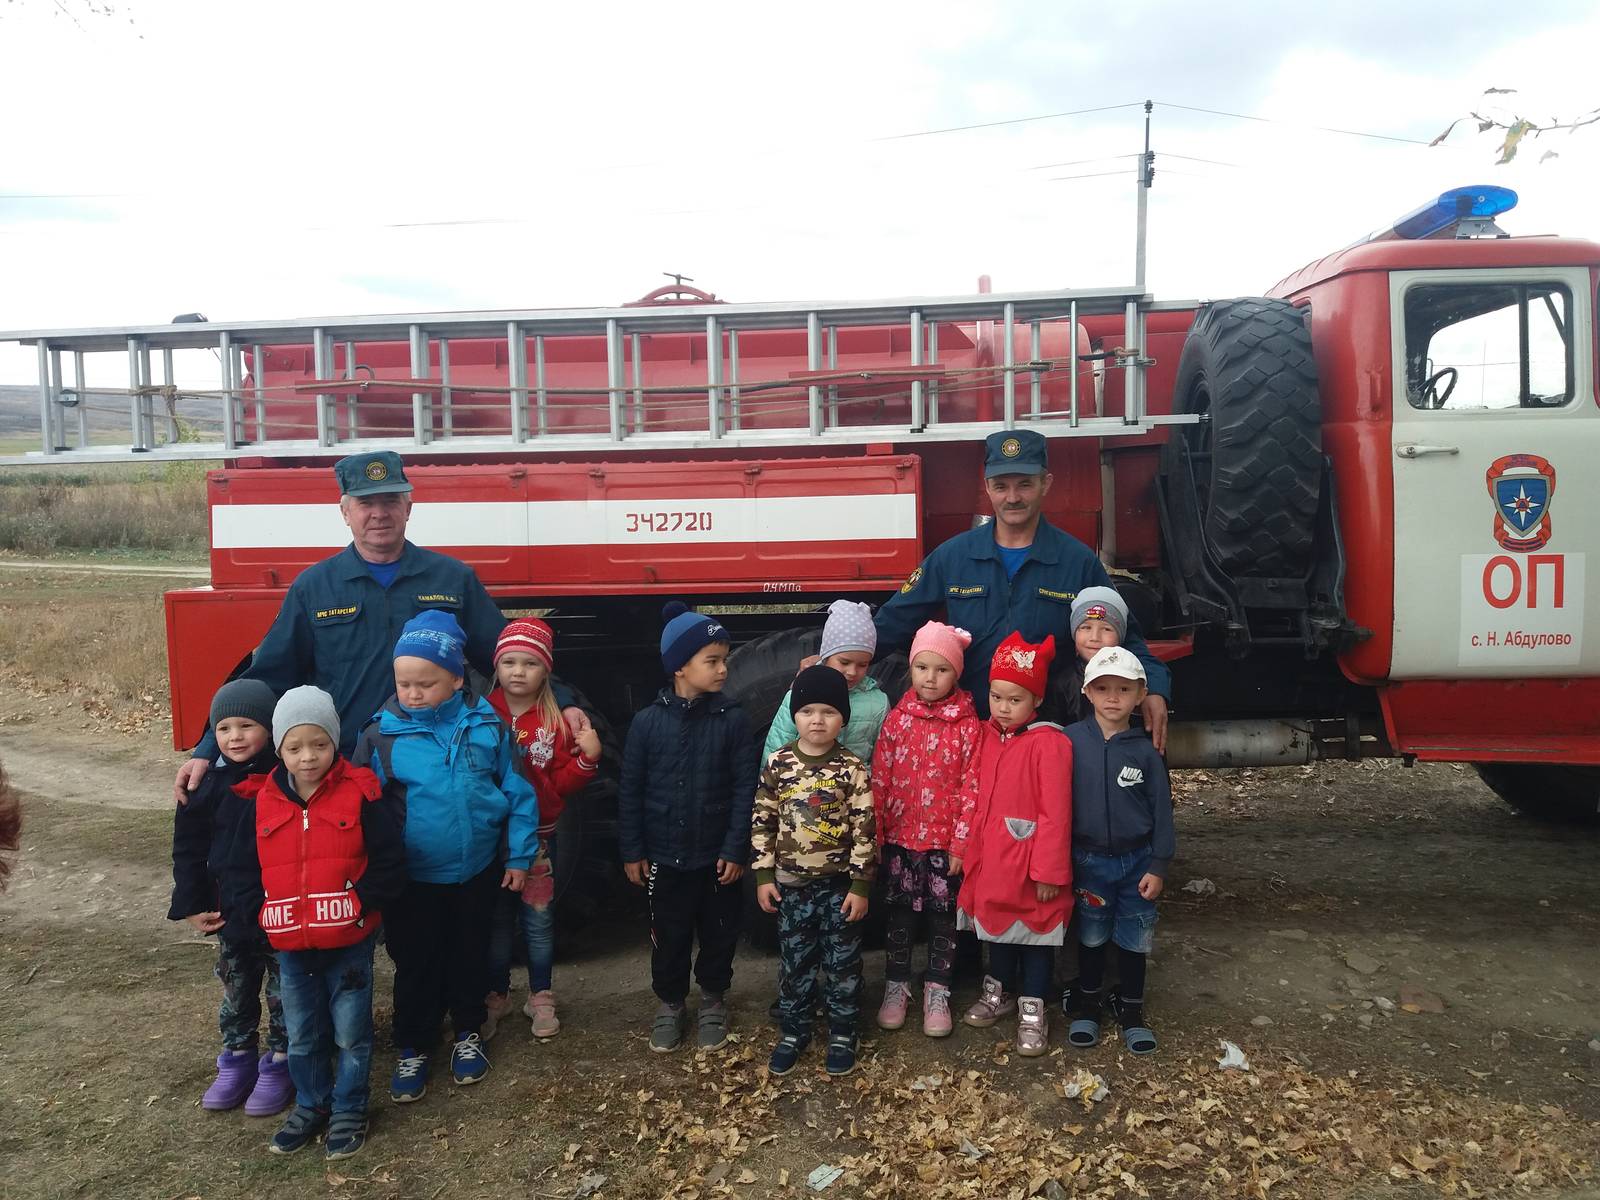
331 411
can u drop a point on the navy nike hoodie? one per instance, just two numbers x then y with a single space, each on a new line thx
1121 797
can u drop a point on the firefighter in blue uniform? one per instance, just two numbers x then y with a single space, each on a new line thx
1018 572
341 617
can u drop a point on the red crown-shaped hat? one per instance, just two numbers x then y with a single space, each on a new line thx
1023 663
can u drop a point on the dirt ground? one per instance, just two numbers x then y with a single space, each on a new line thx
1339 898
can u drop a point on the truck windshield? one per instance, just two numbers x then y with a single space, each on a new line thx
1476 346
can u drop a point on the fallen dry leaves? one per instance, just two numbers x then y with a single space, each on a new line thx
718 1125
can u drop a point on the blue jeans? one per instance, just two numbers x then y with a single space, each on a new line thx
327 1003
1109 907
533 912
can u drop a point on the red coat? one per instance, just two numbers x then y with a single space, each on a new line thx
548 759
311 855
1022 835
925 773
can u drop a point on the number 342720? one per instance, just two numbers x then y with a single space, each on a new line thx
668 522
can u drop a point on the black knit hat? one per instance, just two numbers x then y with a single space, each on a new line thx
820 685
247 698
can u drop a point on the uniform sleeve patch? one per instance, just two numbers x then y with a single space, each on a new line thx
911 581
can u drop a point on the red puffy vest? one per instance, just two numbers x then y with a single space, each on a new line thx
311 855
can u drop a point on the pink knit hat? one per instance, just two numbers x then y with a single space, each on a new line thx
948 642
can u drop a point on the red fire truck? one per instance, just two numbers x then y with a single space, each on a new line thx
1352 514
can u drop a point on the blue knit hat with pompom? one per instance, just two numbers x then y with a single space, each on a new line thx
686 633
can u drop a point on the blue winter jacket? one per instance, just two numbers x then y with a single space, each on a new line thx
688 782
1121 797
467 805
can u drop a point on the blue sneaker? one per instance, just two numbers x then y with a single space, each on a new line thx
410 1080
347 1133
467 1061
301 1127
786 1054
842 1049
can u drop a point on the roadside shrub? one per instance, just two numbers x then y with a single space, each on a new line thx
50 512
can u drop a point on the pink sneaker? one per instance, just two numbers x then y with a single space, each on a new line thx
896 999
991 1005
541 1009
495 1006
936 1010
1033 1027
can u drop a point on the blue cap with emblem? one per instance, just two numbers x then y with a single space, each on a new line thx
1014 452
371 474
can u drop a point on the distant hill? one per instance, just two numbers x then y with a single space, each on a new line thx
108 414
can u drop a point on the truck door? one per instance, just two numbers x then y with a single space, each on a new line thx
1496 441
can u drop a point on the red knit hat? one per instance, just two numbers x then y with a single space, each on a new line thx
1023 663
527 635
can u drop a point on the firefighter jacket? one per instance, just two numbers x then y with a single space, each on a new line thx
546 755
965 579
925 773
1021 836
467 802
868 707
328 864
204 876
813 819
1121 796
338 626
688 776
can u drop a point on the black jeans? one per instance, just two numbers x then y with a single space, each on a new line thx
685 905
438 936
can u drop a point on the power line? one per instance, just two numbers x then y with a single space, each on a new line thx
1077 112
1361 133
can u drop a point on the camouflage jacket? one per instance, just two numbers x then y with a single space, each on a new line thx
814 818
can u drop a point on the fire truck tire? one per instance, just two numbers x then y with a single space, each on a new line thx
1565 795
589 878
1247 364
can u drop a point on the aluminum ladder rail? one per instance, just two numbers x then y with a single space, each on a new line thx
154 437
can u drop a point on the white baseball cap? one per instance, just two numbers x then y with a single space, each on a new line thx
1113 660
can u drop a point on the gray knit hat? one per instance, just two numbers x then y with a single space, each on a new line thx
304 706
1103 603
247 698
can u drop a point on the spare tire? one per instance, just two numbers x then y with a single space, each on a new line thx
1554 792
1247 366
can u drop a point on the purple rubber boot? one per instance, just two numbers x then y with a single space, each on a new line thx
273 1092
236 1075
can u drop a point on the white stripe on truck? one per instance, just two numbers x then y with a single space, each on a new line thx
586 522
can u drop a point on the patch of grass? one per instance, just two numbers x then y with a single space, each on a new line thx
101 635
54 509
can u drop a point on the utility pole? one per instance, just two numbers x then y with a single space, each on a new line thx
1146 172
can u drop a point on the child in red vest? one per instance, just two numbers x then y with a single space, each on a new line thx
331 847
559 764
1017 894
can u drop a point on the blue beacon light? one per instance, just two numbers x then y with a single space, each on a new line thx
1482 202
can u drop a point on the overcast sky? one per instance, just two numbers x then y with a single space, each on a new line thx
298 159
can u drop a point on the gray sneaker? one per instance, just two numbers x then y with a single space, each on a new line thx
713 1021
666 1032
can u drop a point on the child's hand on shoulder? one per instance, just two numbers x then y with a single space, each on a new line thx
588 743
206 922
513 879
854 907
1150 886
767 896
1046 891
